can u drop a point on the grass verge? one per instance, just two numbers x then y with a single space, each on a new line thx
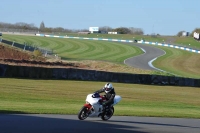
179 62
67 97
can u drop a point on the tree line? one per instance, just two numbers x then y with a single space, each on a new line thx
123 30
197 30
21 26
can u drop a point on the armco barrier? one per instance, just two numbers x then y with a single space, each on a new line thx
171 46
93 75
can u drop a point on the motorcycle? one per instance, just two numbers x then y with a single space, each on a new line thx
93 107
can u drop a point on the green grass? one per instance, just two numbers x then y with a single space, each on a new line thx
185 41
182 41
179 62
75 49
117 36
67 97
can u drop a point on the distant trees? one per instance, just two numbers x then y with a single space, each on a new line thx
130 30
42 26
106 29
23 27
180 33
196 34
136 31
20 26
191 34
122 30
195 30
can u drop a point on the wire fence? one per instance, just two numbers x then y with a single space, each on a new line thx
31 47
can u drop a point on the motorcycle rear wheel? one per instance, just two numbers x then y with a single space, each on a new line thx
82 115
107 115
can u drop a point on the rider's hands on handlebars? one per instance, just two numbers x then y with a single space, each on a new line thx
103 103
95 95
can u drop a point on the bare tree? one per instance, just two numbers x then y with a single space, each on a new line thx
136 31
105 28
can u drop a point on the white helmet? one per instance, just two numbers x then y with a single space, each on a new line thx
108 87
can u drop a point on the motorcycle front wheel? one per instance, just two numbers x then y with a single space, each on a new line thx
82 115
108 114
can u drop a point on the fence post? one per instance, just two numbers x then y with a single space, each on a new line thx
13 43
1 40
24 46
46 53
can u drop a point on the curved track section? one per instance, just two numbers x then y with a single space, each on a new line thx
144 61
40 123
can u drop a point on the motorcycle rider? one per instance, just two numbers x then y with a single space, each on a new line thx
110 95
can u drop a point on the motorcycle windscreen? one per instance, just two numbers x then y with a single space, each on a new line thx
117 99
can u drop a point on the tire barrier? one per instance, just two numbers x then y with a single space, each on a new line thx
2 70
93 75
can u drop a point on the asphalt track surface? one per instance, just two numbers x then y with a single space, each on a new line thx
40 123
143 61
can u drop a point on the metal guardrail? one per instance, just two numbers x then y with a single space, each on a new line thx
28 47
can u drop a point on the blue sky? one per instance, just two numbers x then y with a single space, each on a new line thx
165 17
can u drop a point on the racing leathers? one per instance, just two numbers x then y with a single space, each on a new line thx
109 96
